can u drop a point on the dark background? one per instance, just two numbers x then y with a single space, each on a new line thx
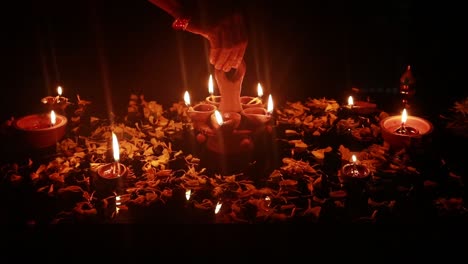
105 49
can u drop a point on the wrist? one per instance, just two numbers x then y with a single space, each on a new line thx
181 23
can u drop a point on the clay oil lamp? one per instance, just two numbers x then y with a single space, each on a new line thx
259 116
110 176
404 131
250 101
41 130
212 99
200 113
361 107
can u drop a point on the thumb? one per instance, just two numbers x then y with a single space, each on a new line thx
240 72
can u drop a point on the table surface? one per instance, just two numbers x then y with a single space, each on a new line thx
292 175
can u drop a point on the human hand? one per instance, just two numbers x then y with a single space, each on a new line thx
227 38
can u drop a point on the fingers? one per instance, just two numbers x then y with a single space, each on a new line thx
223 58
227 58
236 79
214 53
228 43
238 56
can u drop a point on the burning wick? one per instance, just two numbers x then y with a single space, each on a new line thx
59 92
255 100
259 95
354 170
187 100
270 105
403 129
53 118
187 194
350 102
117 204
219 118
218 207
211 87
116 149
268 200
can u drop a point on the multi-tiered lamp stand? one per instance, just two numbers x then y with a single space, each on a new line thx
231 126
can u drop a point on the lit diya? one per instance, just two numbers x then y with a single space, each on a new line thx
259 115
56 103
354 177
110 175
354 170
212 99
226 122
361 107
200 113
404 131
250 101
225 137
41 130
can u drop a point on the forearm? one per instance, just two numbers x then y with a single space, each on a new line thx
172 7
210 10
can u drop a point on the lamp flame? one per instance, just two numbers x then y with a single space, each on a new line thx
268 200
259 90
59 90
350 101
219 117
115 147
218 207
187 98
354 170
210 85
118 203
270 104
187 194
404 116
53 117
